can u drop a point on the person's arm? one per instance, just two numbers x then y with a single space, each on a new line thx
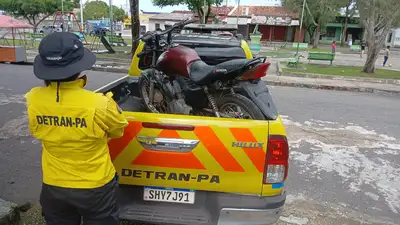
112 119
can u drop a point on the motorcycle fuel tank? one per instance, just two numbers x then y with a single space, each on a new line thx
175 61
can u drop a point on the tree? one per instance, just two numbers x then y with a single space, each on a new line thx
316 16
95 10
118 13
76 3
193 5
349 11
134 4
98 9
34 11
378 18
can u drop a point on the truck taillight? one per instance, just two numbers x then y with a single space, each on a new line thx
277 162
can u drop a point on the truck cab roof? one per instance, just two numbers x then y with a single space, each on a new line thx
206 40
209 28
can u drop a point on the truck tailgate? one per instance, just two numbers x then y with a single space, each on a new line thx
191 152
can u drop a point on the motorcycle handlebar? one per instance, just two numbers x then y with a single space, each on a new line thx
150 35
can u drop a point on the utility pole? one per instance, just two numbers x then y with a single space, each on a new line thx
62 15
111 17
204 11
301 28
238 13
81 5
129 11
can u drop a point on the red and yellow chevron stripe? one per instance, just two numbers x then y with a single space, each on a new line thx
209 138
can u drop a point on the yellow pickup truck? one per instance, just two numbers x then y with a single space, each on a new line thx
178 169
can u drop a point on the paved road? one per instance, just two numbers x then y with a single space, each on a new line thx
344 156
20 175
344 151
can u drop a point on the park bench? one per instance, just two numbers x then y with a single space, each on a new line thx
322 56
284 45
301 45
355 48
37 36
116 40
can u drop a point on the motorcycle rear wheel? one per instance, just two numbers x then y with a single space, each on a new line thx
229 105
144 92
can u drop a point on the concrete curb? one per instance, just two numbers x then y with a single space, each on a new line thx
331 87
9 213
94 68
109 59
110 69
333 77
291 84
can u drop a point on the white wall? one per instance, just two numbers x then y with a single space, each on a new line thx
242 21
396 38
152 24
146 24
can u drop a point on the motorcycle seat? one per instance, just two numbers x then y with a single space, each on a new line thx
202 74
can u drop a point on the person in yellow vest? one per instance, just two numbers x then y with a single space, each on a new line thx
74 125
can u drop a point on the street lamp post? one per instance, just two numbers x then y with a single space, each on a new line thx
301 27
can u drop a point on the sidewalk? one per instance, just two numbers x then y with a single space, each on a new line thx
328 83
332 84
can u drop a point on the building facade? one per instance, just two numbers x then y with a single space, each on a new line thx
276 23
164 21
334 30
393 38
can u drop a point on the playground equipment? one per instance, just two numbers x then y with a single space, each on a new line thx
95 45
69 26
108 40
255 39
14 52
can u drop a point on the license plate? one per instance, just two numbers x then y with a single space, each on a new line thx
174 195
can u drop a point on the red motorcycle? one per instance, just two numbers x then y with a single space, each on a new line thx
179 82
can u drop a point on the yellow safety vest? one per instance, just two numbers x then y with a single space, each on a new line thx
74 133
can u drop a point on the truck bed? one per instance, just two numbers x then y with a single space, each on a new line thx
220 162
99 79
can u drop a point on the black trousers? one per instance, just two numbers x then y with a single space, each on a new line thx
68 206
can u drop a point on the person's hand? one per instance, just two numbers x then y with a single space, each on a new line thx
109 94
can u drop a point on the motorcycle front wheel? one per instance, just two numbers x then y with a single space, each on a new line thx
238 106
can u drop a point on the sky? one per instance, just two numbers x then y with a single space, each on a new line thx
146 5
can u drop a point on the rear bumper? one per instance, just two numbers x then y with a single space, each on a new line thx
210 208
233 216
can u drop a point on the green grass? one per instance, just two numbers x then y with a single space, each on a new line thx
308 49
279 54
27 43
123 57
90 39
348 71
35 44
